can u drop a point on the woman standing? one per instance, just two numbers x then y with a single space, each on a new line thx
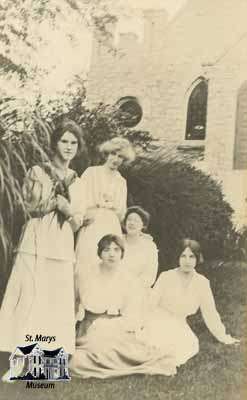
105 194
39 299
141 254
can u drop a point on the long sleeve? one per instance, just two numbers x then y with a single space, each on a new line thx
150 268
158 290
37 195
210 313
87 189
121 201
78 198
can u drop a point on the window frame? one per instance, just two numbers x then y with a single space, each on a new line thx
193 140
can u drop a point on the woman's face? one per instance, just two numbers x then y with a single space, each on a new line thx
114 160
67 146
134 224
187 260
111 255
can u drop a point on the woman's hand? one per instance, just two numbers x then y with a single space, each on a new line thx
113 311
106 202
51 205
87 220
231 340
76 222
80 315
63 206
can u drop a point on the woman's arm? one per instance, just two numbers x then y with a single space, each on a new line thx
37 204
212 317
121 199
133 310
150 266
159 288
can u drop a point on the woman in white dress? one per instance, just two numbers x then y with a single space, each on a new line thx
141 254
39 298
104 196
178 293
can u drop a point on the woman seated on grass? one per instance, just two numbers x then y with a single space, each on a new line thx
178 293
141 254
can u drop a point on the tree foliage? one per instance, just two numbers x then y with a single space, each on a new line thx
45 53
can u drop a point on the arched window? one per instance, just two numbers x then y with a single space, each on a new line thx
197 112
129 111
240 148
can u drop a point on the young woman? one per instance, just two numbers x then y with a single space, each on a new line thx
178 293
104 192
141 254
39 299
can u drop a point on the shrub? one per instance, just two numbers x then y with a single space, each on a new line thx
18 152
236 244
183 202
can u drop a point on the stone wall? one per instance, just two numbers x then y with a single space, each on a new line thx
205 40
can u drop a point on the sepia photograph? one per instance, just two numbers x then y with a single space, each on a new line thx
123 199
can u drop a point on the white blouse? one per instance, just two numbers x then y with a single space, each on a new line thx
114 294
101 189
170 295
141 260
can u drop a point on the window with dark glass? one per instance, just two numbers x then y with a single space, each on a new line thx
129 111
197 112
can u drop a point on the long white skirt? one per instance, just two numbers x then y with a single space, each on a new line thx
105 222
171 335
39 300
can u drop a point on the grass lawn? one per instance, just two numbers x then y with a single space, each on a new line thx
217 372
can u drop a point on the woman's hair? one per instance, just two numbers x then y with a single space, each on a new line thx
120 145
194 246
106 241
144 215
67 126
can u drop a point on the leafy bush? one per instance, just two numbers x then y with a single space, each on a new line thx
236 244
183 202
18 151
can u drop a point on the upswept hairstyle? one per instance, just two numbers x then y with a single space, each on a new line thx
106 241
194 246
118 144
68 126
144 215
